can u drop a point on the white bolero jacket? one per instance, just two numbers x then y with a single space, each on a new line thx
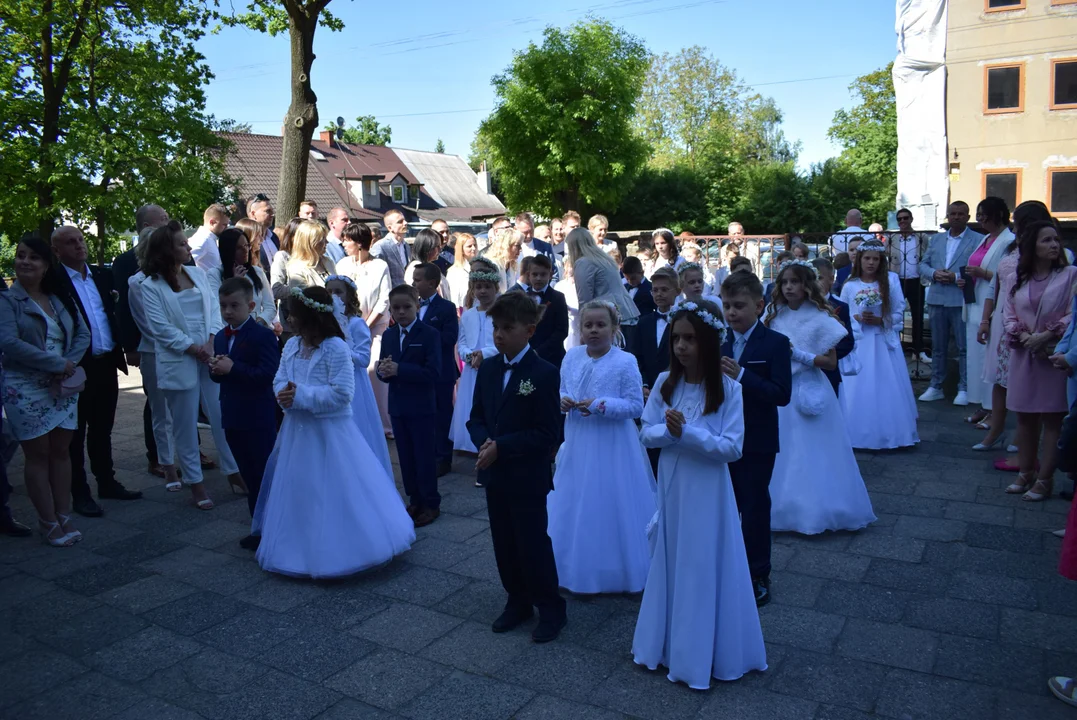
325 386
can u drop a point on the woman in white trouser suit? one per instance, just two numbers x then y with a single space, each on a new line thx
183 314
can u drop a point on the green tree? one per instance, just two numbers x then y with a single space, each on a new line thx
868 136
300 19
561 134
234 126
673 197
439 147
366 131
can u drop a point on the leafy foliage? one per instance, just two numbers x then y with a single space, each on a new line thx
366 131
234 126
439 147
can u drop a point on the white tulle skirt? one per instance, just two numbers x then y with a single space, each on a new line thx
368 419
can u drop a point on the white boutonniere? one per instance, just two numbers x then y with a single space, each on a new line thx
526 388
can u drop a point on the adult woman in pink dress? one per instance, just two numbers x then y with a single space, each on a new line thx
1036 318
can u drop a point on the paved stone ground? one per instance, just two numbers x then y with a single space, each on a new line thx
948 607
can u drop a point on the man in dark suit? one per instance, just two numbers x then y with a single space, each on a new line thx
93 293
440 314
825 269
246 357
650 342
760 359
552 329
411 364
638 287
446 257
515 421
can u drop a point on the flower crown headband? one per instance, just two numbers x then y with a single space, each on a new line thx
872 245
702 313
686 266
801 263
484 276
297 293
344 279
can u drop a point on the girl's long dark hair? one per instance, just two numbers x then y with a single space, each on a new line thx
882 276
54 281
160 256
313 326
811 287
227 242
1026 261
1029 211
709 344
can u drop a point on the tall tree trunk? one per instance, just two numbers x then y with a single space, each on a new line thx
302 117
568 199
101 218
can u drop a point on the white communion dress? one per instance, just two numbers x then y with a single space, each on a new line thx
476 335
364 405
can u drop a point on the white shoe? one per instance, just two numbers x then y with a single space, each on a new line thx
1059 533
962 398
924 358
1011 448
932 394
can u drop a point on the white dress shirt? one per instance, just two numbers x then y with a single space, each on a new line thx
334 248
509 371
528 249
840 242
660 327
269 246
204 249
100 333
739 343
952 244
909 247
423 308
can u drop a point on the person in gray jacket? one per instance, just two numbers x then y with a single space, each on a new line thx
597 277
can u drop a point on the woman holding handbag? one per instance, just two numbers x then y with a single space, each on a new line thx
43 340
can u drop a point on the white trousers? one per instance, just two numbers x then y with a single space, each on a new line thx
159 414
183 404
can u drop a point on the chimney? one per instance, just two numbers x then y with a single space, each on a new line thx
482 177
326 137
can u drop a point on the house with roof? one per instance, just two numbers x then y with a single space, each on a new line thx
368 180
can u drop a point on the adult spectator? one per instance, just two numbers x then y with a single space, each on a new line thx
235 245
878 231
91 289
278 276
458 275
666 253
446 257
906 247
124 266
42 338
948 251
260 210
994 217
542 232
839 242
308 265
308 210
1036 319
532 245
597 277
394 249
570 221
337 219
8 524
485 239
745 248
504 252
425 249
599 225
204 241
846 268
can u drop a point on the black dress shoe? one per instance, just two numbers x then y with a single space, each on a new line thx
426 516
116 491
1065 494
548 629
251 542
512 618
86 507
761 586
444 467
13 528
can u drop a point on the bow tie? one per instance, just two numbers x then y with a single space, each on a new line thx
535 293
230 333
632 287
664 317
509 367
424 303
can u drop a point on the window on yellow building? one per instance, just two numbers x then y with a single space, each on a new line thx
1004 88
1005 184
1062 191
997 5
1064 84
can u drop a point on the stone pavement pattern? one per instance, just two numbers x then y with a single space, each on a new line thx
948 607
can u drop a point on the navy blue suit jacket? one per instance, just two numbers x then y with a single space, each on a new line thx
767 384
644 300
524 419
441 315
549 338
651 355
840 277
411 390
247 399
847 343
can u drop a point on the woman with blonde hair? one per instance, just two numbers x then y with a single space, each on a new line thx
597 276
599 225
504 251
277 276
307 264
458 275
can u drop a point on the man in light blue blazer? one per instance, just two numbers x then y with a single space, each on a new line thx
947 252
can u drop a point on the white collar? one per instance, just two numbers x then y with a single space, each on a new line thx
76 274
519 357
409 327
747 334
237 329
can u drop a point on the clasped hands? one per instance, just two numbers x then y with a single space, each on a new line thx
868 318
568 405
945 278
286 397
487 454
220 364
388 368
674 422
202 353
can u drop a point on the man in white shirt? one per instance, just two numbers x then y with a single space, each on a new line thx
204 241
337 219
906 248
308 210
91 289
853 220
260 210
746 248
393 248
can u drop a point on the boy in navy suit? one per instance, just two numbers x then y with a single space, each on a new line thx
552 329
761 361
638 287
825 269
246 356
440 314
650 342
515 421
411 364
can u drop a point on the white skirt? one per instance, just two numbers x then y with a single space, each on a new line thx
878 403
465 393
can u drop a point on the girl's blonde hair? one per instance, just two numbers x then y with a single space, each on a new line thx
581 243
458 249
615 319
692 249
500 243
307 237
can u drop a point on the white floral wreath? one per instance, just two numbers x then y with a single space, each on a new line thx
344 279
872 245
689 265
297 293
801 263
702 313
484 276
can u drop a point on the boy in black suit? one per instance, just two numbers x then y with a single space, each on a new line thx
246 356
440 314
650 342
638 287
552 329
411 364
825 270
515 421
761 361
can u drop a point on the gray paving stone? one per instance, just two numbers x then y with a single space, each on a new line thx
339 610
405 627
994 537
989 663
829 565
187 560
1057 595
100 578
175 523
1037 629
957 617
911 577
891 547
1036 519
250 633
481 566
993 589
35 672
643 693
146 594
955 557
788 588
546 707
90 696
101 532
314 655
22 587
862 601
907 505
453 528
561 669
281 594
273 696
735 702
946 491
422 586
1012 705
585 614
194 613
191 680
348 709
614 634
14 646
836 712
830 679
888 644
135 658
474 647
462 696
210 535
915 696
229 578
974 512
139 548
439 554
889 484
387 678
157 710
466 503
61 562
928 528
91 630
835 541
800 628
45 612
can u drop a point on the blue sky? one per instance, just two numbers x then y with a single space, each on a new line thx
424 66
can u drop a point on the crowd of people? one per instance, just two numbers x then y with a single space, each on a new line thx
639 421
